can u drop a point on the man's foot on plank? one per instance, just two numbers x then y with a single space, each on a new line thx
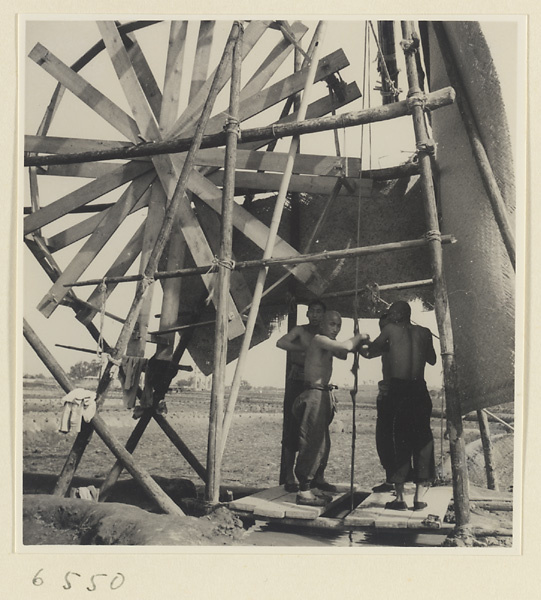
310 499
396 505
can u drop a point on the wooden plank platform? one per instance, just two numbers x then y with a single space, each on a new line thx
275 502
372 512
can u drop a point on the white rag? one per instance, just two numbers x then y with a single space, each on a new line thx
78 404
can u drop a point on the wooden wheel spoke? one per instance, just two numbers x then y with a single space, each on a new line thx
86 92
85 194
84 228
94 244
119 267
173 74
189 117
279 91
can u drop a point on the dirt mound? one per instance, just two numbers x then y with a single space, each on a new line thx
52 520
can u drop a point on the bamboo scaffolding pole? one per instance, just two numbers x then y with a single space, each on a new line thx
127 328
488 450
443 317
269 262
434 100
496 418
269 247
180 445
403 285
492 189
97 424
131 444
217 395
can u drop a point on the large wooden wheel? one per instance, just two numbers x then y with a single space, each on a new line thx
83 233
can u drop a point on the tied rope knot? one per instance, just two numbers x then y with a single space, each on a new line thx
414 99
410 46
433 236
147 280
222 262
232 125
428 147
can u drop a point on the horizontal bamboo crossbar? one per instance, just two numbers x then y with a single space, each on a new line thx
433 101
258 263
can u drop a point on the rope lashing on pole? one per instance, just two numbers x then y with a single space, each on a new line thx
395 92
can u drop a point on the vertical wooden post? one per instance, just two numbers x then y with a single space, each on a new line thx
484 429
269 247
212 489
294 240
443 317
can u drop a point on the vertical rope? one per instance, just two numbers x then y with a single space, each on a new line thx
103 297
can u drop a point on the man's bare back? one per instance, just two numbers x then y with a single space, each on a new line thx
409 346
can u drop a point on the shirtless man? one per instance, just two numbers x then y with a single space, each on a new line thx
405 413
296 342
314 408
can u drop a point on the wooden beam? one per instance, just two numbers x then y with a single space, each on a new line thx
94 244
309 184
173 74
272 62
119 267
88 226
202 57
432 101
488 450
268 97
84 195
86 92
49 144
188 118
269 262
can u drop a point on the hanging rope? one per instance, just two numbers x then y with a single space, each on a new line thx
103 298
395 92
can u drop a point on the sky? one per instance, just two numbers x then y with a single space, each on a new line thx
390 143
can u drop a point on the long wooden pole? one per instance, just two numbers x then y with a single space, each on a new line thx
217 396
269 262
97 423
269 247
488 450
443 316
485 169
434 100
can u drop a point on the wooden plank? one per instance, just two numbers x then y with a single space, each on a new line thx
272 62
309 184
84 195
119 267
93 245
85 228
87 93
88 170
202 57
49 144
305 164
279 91
165 167
370 509
395 519
188 118
173 74
438 499
144 74
316 109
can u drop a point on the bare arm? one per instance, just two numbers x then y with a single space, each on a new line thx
340 349
379 345
291 341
